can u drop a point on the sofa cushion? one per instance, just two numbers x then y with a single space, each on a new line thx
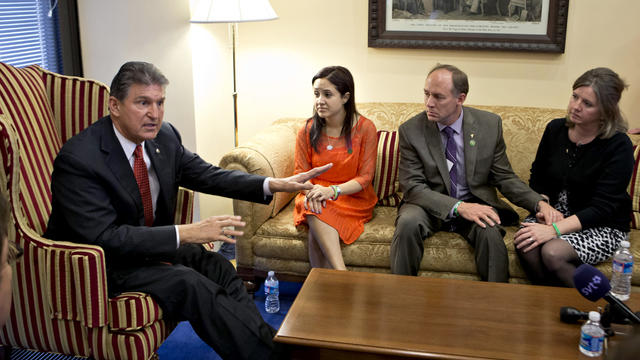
634 190
278 244
385 181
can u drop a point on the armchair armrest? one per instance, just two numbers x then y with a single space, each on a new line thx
269 153
72 275
184 207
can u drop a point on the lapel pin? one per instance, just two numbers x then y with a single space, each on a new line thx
472 142
157 151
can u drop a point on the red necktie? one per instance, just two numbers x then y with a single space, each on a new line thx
142 178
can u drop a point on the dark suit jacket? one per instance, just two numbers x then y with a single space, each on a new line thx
424 176
96 198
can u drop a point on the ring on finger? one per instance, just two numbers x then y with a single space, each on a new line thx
224 232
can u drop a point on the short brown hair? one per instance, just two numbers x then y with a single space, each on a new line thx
608 87
459 78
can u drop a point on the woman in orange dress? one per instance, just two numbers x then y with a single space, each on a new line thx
342 198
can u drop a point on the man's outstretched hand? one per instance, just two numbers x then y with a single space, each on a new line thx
297 182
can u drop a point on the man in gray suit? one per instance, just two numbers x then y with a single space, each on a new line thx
452 159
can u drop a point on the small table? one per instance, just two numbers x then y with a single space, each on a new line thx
357 315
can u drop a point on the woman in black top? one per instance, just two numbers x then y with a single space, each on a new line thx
583 165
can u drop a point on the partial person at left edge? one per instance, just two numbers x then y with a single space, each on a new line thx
115 185
9 253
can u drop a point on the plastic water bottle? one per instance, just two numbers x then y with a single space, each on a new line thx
592 336
272 293
622 270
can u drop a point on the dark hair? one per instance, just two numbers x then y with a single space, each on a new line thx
341 78
608 87
459 78
135 72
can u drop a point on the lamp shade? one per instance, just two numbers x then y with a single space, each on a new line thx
231 11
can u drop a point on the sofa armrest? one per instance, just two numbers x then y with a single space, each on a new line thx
269 153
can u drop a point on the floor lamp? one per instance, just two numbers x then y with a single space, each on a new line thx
232 12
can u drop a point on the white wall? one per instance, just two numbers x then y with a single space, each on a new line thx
277 60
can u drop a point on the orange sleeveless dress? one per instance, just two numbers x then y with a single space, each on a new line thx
349 213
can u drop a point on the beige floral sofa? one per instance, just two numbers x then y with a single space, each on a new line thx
271 242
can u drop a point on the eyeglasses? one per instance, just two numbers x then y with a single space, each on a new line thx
15 253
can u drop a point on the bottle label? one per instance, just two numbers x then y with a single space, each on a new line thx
591 343
622 267
270 290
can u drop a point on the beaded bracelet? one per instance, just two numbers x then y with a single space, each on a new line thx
455 207
336 192
557 230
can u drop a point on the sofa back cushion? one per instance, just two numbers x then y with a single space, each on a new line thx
522 130
23 101
385 180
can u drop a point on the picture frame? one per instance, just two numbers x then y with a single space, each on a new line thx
526 25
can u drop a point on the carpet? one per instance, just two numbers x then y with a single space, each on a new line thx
183 343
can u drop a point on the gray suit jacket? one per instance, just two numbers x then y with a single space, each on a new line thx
424 177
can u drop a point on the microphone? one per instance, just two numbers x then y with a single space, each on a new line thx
593 285
571 315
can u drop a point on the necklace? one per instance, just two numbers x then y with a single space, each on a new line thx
329 145
332 142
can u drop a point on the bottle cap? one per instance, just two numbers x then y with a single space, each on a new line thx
625 244
594 316
271 273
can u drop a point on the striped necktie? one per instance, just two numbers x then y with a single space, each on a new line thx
451 156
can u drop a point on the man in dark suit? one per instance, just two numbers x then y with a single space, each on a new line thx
115 185
452 159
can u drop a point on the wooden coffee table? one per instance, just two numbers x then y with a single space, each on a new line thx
349 315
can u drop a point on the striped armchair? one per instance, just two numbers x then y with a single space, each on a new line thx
60 301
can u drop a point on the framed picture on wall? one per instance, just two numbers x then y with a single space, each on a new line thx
514 25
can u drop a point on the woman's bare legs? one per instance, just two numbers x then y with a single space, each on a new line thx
316 256
327 240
